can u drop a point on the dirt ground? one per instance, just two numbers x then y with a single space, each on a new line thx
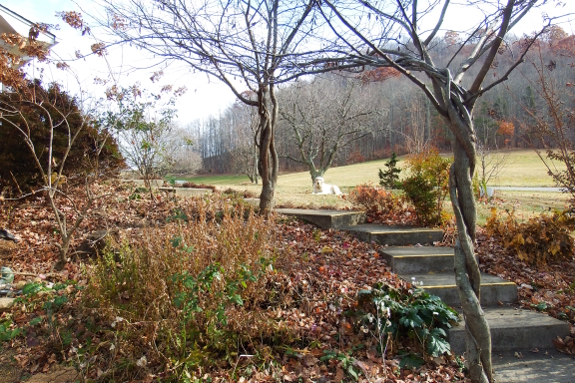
11 372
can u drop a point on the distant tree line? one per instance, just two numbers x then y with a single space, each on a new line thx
400 118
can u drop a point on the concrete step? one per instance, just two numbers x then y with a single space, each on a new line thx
513 329
442 284
186 192
527 366
395 235
327 219
418 259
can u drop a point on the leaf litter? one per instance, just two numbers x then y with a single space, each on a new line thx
548 288
319 273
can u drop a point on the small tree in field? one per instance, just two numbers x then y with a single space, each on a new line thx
553 125
390 177
323 117
491 164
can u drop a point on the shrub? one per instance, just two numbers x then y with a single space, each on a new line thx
541 240
390 177
381 205
427 186
197 286
19 168
400 313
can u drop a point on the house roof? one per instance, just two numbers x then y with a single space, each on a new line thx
11 22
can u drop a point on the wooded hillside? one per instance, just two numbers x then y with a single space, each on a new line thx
403 122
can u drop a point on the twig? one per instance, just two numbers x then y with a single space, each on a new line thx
51 275
16 182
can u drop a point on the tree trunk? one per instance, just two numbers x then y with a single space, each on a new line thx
268 183
265 167
62 254
268 162
255 168
315 173
467 276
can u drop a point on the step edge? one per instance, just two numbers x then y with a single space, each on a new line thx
351 213
417 256
461 327
352 228
507 283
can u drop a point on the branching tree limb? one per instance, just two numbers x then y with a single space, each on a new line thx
249 46
325 117
452 100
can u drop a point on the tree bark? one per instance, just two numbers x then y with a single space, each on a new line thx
316 173
268 166
268 163
467 276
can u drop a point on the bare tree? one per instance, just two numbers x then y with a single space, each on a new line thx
325 115
144 127
384 35
243 146
183 156
417 135
253 45
25 106
491 164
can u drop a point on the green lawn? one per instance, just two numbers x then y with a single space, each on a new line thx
524 168
219 180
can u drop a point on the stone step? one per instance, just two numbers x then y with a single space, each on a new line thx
418 259
327 219
493 289
513 329
395 235
186 192
529 366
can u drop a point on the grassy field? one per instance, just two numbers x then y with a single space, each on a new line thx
523 168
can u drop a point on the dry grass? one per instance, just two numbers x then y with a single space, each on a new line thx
525 204
197 287
524 168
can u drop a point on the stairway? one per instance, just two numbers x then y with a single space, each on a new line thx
410 254
431 268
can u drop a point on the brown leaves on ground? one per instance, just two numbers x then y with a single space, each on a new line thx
318 276
549 288
566 345
324 272
32 221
